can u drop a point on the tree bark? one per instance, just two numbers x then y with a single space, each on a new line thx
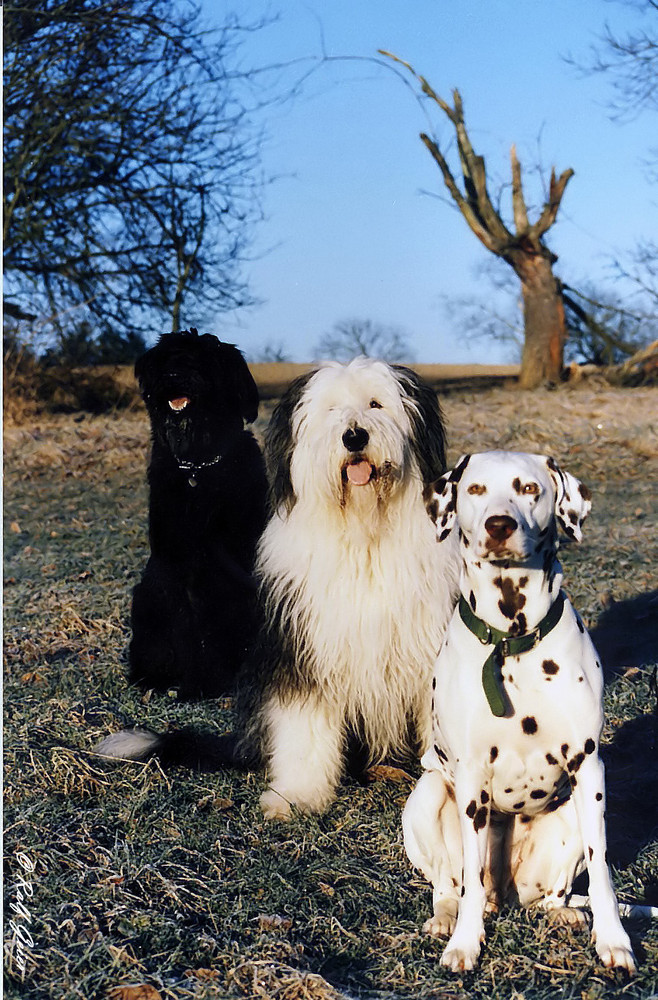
544 323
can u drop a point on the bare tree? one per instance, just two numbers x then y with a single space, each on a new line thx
522 247
270 352
351 338
630 61
131 163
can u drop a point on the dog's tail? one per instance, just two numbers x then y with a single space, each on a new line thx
201 751
629 911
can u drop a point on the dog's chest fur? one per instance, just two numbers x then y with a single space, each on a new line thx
365 610
533 753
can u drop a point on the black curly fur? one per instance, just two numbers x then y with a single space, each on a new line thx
192 612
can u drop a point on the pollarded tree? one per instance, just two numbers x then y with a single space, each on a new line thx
522 247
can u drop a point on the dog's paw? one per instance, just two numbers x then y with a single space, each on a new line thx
569 916
461 958
275 805
617 954
442 922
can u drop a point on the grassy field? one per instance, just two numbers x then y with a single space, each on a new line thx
126 882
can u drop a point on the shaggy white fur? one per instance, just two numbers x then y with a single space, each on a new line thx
352 574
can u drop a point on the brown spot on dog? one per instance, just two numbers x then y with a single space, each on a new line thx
512 599
480 818
529 725
575 762
584 491
550 758
484 796
471 808
565 749
493 753
450 792
598 796
508 791
550 667
520 625
516 483
560 893
590 851
590 746
433 510
538 793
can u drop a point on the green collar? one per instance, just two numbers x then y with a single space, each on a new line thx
505 645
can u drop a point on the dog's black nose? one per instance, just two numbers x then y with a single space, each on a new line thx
356 438
500 526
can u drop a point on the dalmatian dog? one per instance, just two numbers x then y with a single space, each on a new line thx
512 802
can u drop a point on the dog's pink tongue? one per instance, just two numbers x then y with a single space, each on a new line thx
359 473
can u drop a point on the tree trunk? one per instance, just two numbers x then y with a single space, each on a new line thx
545 329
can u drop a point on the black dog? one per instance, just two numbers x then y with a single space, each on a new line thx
192 612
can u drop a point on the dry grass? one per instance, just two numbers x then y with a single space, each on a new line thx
150 885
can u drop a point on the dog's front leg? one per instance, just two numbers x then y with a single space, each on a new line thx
473 803
305 742
612 943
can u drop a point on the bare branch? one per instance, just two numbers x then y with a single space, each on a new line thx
550 209
518 200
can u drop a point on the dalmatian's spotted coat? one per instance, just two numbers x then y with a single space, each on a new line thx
512 806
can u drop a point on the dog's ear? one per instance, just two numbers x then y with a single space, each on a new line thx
141 367
442 506
235 369
423 409
572 500
279 445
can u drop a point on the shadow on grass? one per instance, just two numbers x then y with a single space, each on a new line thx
626 634
631 763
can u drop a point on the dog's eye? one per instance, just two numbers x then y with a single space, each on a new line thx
475 489
374 405
531 488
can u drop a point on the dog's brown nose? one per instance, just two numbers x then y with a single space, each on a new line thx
500 526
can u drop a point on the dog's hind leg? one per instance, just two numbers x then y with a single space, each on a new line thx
432 840
546 856
305 744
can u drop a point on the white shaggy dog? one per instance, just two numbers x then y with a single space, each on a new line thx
356 590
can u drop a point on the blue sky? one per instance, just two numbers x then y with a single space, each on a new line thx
350 230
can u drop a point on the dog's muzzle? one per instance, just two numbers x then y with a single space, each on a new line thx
355 438
500 527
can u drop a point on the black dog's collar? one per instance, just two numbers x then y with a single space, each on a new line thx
505 645
195 467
